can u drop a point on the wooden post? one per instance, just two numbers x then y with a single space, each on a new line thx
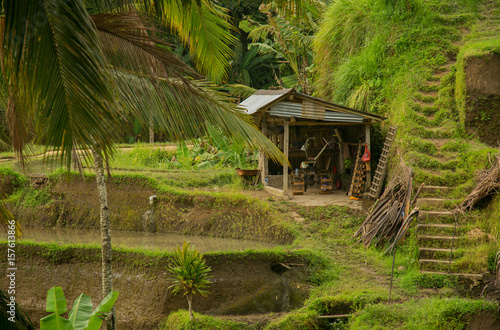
392 271
341 169
285 151
265 161
368 173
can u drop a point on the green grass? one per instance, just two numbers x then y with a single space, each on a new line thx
298 320
420 314
424 161
180 321
30 150
146 145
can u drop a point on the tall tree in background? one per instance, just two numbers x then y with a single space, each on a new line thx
72 76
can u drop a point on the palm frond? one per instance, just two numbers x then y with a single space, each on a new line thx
57 68
106 6
184 110
241 91
201 24
205 28
6 219
19 124
128 44
22 320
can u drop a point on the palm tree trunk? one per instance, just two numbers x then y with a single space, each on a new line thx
190 299
151 132
107 276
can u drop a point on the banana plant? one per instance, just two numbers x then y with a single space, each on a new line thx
234 151
81 316
184 159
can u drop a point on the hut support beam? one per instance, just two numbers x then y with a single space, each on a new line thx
368 143
286 144
263 161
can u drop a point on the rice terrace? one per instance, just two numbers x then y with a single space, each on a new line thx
250 164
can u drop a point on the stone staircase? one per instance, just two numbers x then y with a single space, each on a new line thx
440 236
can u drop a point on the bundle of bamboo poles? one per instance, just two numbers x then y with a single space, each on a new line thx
488 182
390 216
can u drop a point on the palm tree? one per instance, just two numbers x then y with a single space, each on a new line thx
73 75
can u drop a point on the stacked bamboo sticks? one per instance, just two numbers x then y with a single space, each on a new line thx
488 182
389 218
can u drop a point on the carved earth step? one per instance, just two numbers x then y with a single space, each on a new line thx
435 189
460 233
444 241
435 261
436 265
435 202
474 277
436 215
437 227
435 237
438 253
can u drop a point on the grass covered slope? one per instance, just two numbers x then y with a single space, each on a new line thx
325 273
399 59
354 280
433 68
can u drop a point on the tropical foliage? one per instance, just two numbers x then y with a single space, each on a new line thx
289 40
22 320
122 68
81 316
189 273
72 77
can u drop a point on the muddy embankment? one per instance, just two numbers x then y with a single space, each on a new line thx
483 97
242 283
74 203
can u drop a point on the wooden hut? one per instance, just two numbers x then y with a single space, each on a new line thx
302 127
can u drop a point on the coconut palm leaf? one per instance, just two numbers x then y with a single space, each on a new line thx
101 6
241 91
150 83
22 320
185 110
54 62
205 28
128 44
201 24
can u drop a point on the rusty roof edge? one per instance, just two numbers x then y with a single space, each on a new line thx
330 106
333 107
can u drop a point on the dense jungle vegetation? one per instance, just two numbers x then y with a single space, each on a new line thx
420 63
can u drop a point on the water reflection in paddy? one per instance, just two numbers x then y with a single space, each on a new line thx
142 240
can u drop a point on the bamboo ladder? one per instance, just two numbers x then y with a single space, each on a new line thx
376 186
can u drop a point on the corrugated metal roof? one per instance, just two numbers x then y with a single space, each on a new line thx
286 109
297 110
310 108
261 98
